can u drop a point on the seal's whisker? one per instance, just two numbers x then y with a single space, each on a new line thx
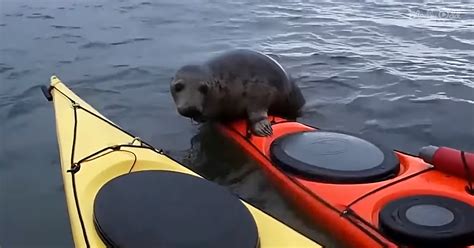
194 122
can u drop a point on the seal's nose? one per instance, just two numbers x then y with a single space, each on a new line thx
190 112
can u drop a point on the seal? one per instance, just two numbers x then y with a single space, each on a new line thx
237 84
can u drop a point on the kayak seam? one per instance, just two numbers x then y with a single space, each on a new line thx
75 167
74 171
469 188
349 212
84 233
386 186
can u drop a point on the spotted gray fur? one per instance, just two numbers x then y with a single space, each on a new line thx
237 84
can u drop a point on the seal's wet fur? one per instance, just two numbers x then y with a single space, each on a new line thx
237 84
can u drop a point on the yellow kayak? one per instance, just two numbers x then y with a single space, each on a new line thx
121 191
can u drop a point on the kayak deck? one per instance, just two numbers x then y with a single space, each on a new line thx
94 151
341 201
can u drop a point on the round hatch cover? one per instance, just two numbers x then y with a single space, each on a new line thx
428 220
333 157
170 209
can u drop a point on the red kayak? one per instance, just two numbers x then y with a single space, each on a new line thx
365 194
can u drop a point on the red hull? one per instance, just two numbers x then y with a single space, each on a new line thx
349 211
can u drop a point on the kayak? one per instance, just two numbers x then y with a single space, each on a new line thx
121 191
363 193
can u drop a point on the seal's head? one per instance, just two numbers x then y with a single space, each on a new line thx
189 89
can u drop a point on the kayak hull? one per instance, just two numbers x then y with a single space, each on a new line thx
350 211
93 151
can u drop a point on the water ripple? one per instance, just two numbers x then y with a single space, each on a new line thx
129 41
5 68
440 96
101 45
447 42
39 16
65 27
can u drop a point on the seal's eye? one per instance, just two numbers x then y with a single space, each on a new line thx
178 87
203 89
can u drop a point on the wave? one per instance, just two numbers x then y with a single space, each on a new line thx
39 16
101 45
5 68
447 42
65 27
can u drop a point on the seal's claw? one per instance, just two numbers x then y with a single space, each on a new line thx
262 128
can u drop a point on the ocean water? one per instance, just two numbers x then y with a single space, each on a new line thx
400 72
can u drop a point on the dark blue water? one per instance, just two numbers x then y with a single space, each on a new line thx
398 71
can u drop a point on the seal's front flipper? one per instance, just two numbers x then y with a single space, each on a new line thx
259 123
262 128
